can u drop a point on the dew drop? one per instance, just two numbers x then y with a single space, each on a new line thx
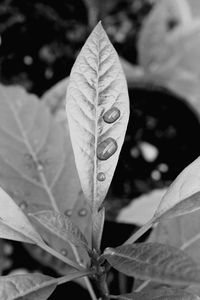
40 168
63 252
68 212
23 205
111 115
101 176
106 149
82 212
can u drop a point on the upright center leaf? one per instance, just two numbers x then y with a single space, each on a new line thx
98 111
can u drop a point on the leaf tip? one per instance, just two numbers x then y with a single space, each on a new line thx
99 28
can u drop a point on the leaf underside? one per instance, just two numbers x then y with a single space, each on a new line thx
97 110
183 196
13 222
157 262
26 287
161 294
36 158
61 226
37 166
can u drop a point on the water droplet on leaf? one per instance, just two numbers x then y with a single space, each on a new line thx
23 205
101 176
82 212
40 168
68 212
106 149
111 115
63 252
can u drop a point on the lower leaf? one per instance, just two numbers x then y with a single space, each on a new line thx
157 262
27 286
161 294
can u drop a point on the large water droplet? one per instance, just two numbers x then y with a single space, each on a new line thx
111 115
68 212
82 212
106 149
101 176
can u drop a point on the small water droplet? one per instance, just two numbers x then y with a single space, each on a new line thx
68 212
106 149
40 168
63 252
111 115
101 176
23 205
82 212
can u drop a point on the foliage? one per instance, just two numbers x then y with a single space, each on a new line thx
42 198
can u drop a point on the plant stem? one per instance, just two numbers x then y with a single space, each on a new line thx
66 278
142 286
90 288
86 279
102 286
117 297
140 232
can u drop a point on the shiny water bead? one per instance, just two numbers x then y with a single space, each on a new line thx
111 115
23 205
68 212
101 176
82 212
40 168
106 149
64 252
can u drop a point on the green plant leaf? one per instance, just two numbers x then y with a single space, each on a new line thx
37 166
168 49
54 98
161 294
181 232
27 286
97 110
140 210
32 286
166 22
61 226
157 262
183 196
14 224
